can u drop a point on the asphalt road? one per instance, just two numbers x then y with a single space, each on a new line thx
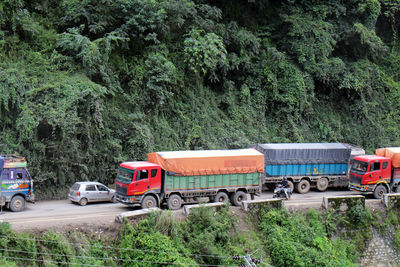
62 214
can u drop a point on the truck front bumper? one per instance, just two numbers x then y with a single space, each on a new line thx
128 200
365 189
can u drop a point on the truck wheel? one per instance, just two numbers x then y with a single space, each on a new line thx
17 204
221 197
238 197
379 191
174 202
83 201
322 184
149 202
303 186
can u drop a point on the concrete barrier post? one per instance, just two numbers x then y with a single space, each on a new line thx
342 203
272 203
391 200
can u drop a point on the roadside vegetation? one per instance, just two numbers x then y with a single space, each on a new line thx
87 84
207 237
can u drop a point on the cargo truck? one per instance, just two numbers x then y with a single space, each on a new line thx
16 185
307 165
376 174
178 177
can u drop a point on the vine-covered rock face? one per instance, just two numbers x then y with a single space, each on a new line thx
85 85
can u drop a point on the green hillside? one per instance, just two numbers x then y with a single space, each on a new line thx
87 84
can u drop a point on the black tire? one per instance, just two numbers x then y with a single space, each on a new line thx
303 186
17 204
174 202
221 197
83 201
322 184
379 191
238 197
290 185
149 202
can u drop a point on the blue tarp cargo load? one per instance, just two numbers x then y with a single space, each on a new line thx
307 165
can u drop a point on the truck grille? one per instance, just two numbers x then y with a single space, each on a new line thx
355 179
121 189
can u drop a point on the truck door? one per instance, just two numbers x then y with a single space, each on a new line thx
142 183
155 179
375 172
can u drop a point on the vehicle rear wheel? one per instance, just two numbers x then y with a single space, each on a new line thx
303 186
149 202
83 201
221 197
238 197
379 191
17 204
322 184
174 202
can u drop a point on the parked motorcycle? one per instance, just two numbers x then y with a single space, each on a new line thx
279 192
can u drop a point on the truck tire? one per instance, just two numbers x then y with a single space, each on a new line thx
149 202
322 184
174 202
17 204
379 191
238 197
303 186
221 197
83 201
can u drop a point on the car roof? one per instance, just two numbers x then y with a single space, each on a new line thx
84 183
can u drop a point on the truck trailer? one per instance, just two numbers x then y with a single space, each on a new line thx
307 165
16 184
376 174
178 177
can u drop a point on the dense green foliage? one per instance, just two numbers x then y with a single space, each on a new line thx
87 84
209 237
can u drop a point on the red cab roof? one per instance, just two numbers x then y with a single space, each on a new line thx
137 164
369 157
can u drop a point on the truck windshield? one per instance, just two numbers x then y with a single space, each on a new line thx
359 166
125 176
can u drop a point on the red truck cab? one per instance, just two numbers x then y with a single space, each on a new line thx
372 174
136 179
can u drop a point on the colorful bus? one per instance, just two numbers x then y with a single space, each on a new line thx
16 185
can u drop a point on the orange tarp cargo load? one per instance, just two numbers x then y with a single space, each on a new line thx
207 162
390 152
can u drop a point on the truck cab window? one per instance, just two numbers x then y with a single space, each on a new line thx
143 174
375 166
384 165
19 175
153 173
